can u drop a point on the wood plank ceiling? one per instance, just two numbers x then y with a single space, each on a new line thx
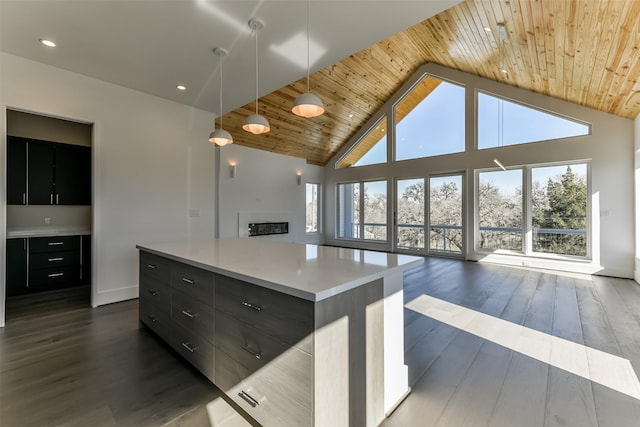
582 51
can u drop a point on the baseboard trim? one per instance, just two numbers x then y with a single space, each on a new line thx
114 295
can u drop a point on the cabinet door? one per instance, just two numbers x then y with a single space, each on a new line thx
73 175
40 172
16 274
16 171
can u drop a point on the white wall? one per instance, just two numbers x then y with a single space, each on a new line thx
608 148
152 164
636 144
266 187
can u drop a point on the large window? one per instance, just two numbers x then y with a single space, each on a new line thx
312 208
371 149
430 120
559 209
500 209
445 214
362 210
502 123
410 214
558 220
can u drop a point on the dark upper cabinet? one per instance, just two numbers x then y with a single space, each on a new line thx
16 267
47 173
16 171
41 189
72 175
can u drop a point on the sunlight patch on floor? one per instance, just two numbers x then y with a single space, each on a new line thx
595 365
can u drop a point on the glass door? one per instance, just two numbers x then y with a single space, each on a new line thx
410 215
445 215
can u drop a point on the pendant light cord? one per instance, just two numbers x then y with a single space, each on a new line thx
256 31
308 61
221 92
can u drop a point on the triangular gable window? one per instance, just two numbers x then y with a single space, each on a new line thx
370 150
502 123
430 120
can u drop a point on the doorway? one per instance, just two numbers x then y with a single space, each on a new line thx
49 214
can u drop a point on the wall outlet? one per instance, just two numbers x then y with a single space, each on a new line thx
47 220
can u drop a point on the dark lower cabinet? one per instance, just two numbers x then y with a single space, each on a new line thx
39 264
16 267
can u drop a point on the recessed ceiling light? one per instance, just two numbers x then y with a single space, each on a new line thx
504 71
181 87
487 29
47 42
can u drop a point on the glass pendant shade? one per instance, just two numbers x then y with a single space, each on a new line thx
256 124
220 137
308 105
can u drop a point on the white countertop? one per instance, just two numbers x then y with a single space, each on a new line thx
307 271
47 231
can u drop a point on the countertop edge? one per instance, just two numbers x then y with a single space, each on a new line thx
309 296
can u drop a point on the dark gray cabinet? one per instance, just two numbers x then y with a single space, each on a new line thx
16 267
47 173
40 164
39 264
72 175
16 172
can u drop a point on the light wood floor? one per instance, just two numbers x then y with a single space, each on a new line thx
62 363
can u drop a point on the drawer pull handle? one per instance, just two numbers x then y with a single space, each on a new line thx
250 400
56 259
256 307
189 314
251 352
153 319
189 281
153 293
56 275
55 243
152 266
188 347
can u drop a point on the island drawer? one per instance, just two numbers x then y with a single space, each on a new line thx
54 244
192 314
283 316
155 266
155 292
279 394
156 319
195 282
195 349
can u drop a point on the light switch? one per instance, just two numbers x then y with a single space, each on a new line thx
194 213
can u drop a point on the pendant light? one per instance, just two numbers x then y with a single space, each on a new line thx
220 136
308 105
256 123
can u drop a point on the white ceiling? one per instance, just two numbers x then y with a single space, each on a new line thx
153 45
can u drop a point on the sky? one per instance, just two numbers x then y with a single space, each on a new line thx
436 126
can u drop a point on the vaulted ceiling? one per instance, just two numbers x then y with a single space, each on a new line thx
582 51
585 52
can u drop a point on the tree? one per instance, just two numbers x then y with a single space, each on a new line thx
566 210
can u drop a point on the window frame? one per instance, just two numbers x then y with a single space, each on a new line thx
476 129
361 225
318 208
527 214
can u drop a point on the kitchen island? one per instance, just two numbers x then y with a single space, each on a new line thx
294 334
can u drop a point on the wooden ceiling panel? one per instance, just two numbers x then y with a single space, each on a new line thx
585 52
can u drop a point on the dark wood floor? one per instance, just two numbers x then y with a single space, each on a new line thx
65 364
